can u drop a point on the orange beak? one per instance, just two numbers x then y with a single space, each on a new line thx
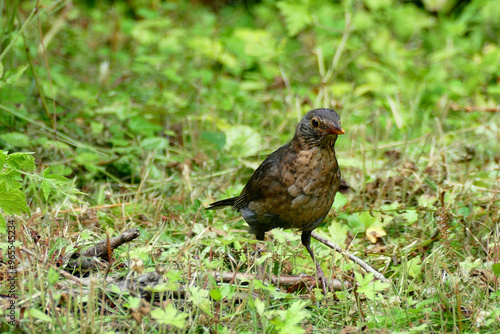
337 131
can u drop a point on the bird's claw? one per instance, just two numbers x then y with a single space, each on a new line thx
322 279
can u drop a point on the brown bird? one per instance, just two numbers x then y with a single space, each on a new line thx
295 186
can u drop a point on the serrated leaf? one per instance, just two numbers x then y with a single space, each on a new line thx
13 201
51 182
297 16
10 180
21 160
368 286
411 216
134 302
170 316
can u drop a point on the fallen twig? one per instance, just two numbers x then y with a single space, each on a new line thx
87 259
284 280
475 108
353 258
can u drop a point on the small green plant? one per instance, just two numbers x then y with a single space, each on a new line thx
12 199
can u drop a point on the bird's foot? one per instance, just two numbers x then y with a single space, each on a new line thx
261 272
322 279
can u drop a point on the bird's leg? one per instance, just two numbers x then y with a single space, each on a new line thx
261 270
306 241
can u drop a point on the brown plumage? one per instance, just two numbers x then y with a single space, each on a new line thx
295 186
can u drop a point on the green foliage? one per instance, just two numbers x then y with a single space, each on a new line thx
169 316
154 109
370 288
12 199
283 321
11 76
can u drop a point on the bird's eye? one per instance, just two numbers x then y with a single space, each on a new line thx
314 123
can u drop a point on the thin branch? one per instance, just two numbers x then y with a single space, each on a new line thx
353 258
284 280
475 108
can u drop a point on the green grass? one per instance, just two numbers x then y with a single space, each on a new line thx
152 110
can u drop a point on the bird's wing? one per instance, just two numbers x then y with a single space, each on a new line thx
266 174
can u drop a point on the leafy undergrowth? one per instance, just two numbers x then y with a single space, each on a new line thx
153 110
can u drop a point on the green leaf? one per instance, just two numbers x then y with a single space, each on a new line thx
170 316
16 139
52 276
21 160
154 143
134 302
52 183
11 76
293 318
355 224
13 201
368 286
414 267
242 141
297 15
340 201
411 216
367 219
496 269
215 294
35 313
260 306
142 127
258 43
218 139
427 200
3 225
88 160
10 180
375 5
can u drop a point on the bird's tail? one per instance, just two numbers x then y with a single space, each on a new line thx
222 203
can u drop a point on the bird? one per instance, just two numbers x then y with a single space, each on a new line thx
295 186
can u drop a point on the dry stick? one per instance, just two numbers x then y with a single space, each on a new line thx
475 108
83 259
93 208
283 280
100 249
355 259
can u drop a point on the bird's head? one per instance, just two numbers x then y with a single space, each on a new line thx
319 127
